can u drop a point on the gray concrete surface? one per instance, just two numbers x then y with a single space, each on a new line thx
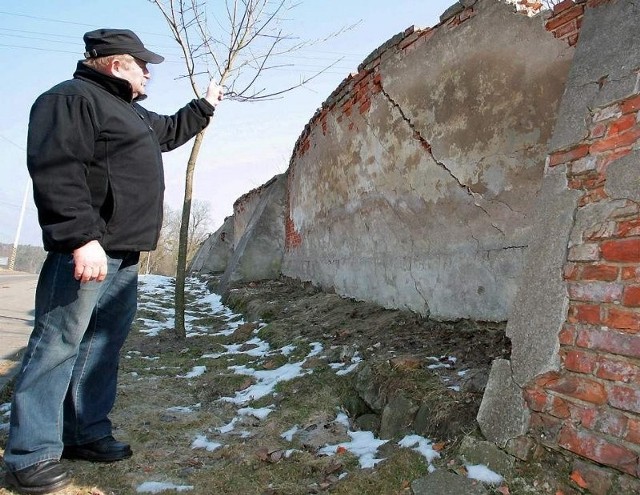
17 292
259 235
422 200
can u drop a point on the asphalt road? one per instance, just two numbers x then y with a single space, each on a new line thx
17 292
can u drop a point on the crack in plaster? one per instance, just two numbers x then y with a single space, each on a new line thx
425 144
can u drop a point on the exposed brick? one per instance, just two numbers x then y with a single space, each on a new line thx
545 427
599 480
630 105
627 320
604 230
617 370
589 182
622 250
605 160
567 335
522 447
598 449
568 155
572 271
633 431
585 313
630 273
292 237
593 196
558 19
535 399
595 291
609 341
622 124
580 361
631 296
562 6
573 39
364 106
581 388
583 415
620 140
559 408
624 398
598 131
546 378
584 165
566 29
584 252
628 228
611 422
607 113
605 273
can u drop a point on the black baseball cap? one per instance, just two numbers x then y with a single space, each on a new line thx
105 42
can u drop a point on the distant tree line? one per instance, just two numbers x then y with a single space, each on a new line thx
162 261
28 258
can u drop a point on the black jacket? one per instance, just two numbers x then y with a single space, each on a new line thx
95 159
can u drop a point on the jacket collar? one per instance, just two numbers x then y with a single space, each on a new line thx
114 85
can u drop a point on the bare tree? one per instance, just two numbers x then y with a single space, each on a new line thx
248 42
164 260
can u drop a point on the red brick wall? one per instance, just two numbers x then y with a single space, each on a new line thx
591 407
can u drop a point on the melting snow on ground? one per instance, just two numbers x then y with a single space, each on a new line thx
363 444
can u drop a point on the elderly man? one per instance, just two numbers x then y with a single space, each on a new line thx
94 155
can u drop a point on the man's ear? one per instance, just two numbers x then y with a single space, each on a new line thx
115 66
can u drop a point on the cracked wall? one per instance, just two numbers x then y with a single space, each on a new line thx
413 184
572 380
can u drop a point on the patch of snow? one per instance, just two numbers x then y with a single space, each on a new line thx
260 413
484 474
288 435
157 487
421 445
195 372
201 442
363 444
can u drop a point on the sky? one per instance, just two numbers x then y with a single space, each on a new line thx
157 295
247 143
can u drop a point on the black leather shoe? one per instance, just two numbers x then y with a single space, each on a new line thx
44 477
107 449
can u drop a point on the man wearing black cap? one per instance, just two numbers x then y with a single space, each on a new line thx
94 155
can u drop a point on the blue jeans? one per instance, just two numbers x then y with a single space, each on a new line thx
67 384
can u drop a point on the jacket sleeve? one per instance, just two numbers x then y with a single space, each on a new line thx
175 130
60 147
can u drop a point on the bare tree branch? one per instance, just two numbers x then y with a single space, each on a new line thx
243 51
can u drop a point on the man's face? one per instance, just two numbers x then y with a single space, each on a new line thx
135 72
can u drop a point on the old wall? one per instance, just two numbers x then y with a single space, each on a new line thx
572 381
259 234
215 252
413 184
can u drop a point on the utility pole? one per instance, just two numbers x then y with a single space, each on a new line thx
14 251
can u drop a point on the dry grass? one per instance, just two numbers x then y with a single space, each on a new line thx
256 462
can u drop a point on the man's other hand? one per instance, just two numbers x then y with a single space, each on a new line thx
90 262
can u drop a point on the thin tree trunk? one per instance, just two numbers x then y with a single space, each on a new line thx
181 269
